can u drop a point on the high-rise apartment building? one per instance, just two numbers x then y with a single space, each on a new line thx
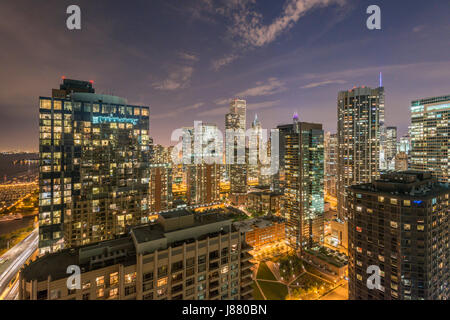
430 131
94 157
360 119
235 125
303 186
399 225
160 195
331 164
183 256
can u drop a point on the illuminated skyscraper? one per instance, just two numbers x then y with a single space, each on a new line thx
303 187
203 172
235 124
391 147
360 119
430 132
331 162
255 145
161 198
399 223
94 154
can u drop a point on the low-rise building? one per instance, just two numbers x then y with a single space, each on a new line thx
183 255
262 231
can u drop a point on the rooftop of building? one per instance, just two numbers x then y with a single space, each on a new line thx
257 223
123 249
408 183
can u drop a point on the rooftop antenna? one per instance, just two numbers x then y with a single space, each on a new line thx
381 79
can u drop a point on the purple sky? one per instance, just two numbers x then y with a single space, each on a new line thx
186 59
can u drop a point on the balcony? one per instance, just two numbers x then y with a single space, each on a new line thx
246 281
247 297
214 294
246 290
246 248
246 265
213 285
246 256
246 273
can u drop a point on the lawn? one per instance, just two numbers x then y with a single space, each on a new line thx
264 272
273 290
256 292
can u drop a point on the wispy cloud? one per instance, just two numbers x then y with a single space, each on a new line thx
214 112
323 83
178 111
188 56
272 86
177 79
248 24
222 62
263 105
222 101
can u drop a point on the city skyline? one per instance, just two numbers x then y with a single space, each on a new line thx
224 150
293 69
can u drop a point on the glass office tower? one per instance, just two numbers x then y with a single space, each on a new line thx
94 158
429 133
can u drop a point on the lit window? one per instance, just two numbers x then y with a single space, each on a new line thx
380 199
162 282
100 281
114 278
129 278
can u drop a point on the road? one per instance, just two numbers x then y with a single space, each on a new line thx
15 259
340 293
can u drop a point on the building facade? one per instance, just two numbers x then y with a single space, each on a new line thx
183 256
331 164
360 119
94 156
235 127
400 225
202 149
161 196
429 132
262 231
303 200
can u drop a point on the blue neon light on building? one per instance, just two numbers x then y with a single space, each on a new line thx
96 120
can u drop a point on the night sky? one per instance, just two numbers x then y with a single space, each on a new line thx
186 59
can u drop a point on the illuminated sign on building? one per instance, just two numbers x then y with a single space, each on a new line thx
96 120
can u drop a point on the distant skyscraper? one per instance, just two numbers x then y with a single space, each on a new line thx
94 175
235 150
401 161
203 172
399 224
404 145
255 145
360 119
391 147
304 190
331 163
430 132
